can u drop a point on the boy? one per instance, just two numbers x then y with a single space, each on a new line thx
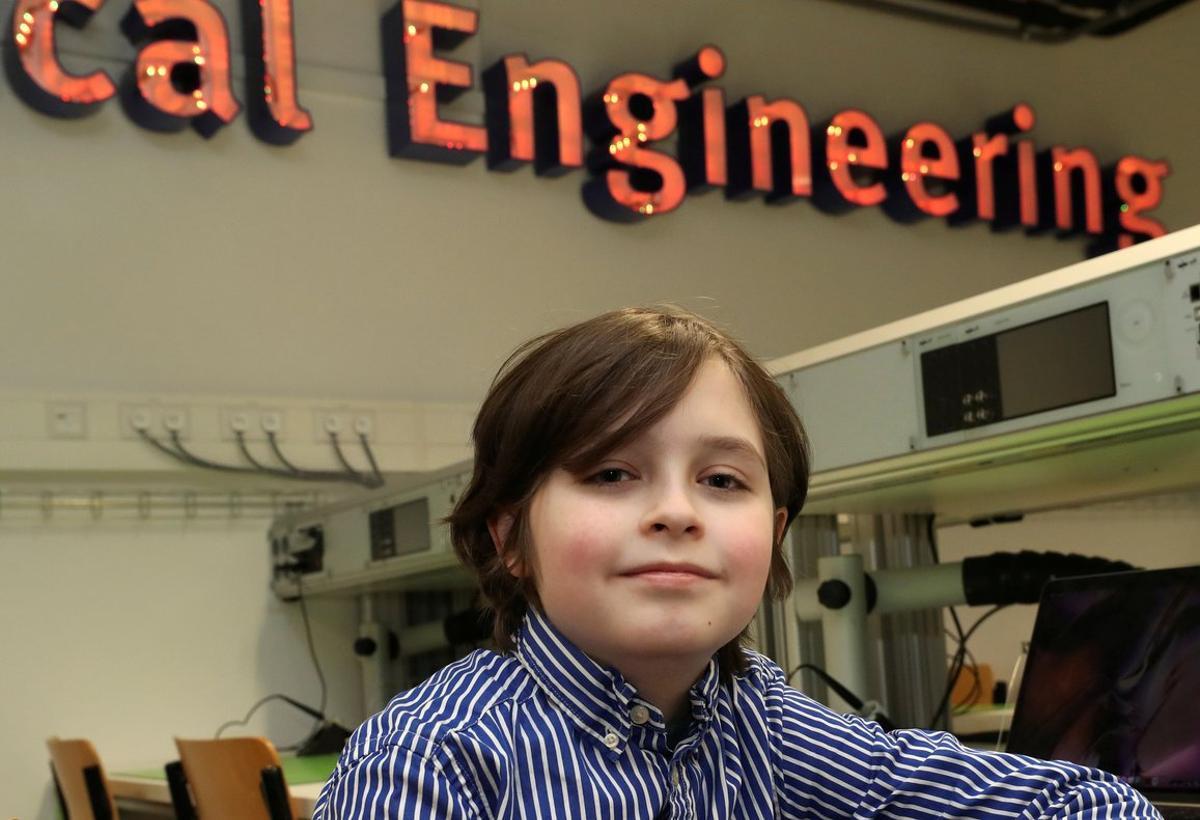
634 477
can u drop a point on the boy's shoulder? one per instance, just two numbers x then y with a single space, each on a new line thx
761 672
763 680
450 702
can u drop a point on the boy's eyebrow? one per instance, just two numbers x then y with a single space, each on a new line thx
734 445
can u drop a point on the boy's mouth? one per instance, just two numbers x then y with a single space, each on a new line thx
669 571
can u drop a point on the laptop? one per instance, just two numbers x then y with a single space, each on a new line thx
1112 680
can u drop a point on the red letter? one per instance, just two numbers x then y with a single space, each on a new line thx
661 190
154 101
1027 190
1084 161
416 80
702 139
39 77
1006 184
275 114
868 151
1151 174
916 165
777 157
702 122
985 150
533 115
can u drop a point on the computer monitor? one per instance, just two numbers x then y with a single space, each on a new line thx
1113 679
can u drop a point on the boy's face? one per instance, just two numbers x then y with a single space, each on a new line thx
662 550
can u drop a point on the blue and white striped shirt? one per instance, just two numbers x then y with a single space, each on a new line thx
547 733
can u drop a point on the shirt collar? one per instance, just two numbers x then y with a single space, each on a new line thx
597 698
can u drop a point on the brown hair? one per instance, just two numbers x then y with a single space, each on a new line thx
570 397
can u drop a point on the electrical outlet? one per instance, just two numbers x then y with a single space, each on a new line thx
156 420
364 424
346 424
252 422
329 421
174 421
66 420
271 421
138 417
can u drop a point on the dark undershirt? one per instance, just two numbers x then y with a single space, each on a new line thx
677 730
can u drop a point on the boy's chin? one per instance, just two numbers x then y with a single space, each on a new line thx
695 643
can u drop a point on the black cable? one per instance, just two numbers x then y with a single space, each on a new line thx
312 650
300 475
191 458
180 453
350 471
983 618
258 704
241 443
366 445
845 694
833 683
957 664
279 453
931 533
366 481
249 714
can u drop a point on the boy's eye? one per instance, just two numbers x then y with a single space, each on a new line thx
611 475
724 481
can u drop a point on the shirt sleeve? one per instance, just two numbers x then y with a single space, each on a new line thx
830 765
391 783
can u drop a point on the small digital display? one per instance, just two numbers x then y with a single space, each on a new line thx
1056 362
400 530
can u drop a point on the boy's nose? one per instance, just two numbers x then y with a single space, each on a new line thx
672 512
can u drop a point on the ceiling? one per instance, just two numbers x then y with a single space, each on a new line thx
1047 21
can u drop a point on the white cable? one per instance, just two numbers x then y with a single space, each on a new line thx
1010 699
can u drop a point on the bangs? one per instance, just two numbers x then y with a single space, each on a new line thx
646 391
599 385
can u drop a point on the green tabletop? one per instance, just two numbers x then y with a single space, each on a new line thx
296 770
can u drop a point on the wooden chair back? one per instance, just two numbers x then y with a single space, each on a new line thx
82 784
226 777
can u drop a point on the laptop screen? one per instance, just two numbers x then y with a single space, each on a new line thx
1113 678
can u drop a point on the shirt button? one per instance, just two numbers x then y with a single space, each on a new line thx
639 714
611 740
674 777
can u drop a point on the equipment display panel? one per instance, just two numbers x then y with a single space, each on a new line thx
1060 361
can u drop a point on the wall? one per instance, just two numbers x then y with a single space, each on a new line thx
131 633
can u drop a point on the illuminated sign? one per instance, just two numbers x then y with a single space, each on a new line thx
652 140
181 73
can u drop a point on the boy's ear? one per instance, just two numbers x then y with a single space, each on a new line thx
781 518
499 526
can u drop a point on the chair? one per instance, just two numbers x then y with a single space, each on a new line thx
238 777
80 780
